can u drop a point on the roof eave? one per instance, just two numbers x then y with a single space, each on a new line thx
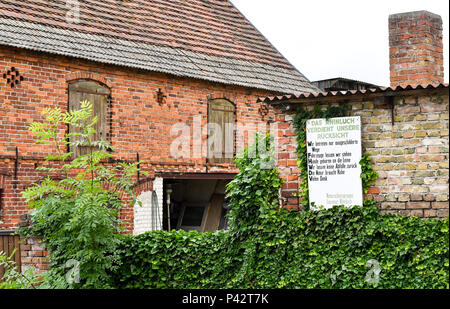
350 94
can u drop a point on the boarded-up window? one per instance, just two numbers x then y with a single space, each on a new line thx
220 131
97 95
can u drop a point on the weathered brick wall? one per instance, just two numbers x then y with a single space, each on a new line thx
415 49
31 250
286 152
410 153
33 255
139 124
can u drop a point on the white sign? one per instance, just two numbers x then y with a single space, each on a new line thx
334 152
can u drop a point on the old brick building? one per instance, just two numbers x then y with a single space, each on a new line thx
147 66
156 70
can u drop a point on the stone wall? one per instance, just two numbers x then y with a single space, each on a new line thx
408 144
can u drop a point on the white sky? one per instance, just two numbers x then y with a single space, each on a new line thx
330 38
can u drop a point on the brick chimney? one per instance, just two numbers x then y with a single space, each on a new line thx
415 49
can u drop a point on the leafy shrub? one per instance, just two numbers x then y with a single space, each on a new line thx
328 249
77 214
175 259
255 189
14 279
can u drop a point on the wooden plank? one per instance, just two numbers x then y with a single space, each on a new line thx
10 244
91 98
214 136
100 112
5 244
214 213
228 150
74 104
18 255
2 248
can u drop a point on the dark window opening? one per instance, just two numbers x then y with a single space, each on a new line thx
195 204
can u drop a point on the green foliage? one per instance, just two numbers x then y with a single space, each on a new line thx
175 259
326 249
77 216
368 174
13 278
254 191
269 248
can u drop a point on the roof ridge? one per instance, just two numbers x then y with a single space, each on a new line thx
258 50
229 48
149 57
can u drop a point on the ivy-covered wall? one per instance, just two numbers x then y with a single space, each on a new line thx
337 248
406 136
266 247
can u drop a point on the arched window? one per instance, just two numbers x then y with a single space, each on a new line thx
221 141
97 94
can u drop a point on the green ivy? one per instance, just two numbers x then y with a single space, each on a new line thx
267 248
254 191
328 249
368 174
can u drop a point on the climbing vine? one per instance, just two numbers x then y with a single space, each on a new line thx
368 174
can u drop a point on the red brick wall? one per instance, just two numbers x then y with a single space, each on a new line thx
139 123
33 255
416 49
286 143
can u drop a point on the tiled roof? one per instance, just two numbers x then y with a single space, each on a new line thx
205 39
328 94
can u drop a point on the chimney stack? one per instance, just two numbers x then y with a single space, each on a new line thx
416 54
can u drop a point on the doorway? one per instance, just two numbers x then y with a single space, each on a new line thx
195 204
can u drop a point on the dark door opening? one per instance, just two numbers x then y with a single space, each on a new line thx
194 204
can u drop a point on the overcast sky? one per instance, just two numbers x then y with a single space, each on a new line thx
329 38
